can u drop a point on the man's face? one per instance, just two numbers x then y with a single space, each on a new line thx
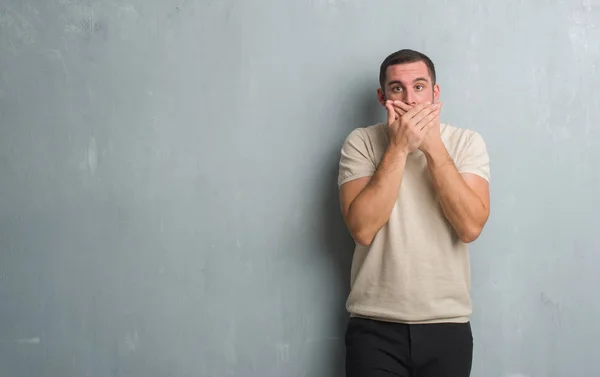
409 83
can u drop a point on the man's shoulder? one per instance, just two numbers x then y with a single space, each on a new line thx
453 132
373 133
465 146
459 137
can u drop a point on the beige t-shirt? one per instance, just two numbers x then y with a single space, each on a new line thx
416 270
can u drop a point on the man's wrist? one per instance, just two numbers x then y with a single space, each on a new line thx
397 152
437 155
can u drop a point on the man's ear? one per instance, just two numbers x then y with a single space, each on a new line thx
436 93
381 96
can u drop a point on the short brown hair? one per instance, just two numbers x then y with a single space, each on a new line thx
402 57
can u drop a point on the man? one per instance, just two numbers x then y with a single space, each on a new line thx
413 193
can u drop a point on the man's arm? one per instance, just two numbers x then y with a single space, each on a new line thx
464 198
367 202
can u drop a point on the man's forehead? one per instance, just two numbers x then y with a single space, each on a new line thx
408 72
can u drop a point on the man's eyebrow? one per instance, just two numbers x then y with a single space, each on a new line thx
397 82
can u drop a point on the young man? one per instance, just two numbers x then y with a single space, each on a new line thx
413 193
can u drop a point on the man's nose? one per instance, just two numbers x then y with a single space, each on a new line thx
410 98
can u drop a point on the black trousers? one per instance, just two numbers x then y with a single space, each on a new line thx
385 349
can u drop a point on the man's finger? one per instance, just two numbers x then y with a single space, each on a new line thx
391 112
436 118
425 121
420 111
417 109
402 106
427 127
399 112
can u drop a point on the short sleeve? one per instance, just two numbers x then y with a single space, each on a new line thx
355 159
475 158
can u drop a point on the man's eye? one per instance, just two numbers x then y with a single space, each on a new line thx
397 89
419 87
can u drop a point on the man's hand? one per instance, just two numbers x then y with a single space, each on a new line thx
401 108
407 131
432 139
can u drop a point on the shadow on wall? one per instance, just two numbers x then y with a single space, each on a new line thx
335 236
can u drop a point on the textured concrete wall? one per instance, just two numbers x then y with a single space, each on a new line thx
168 197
